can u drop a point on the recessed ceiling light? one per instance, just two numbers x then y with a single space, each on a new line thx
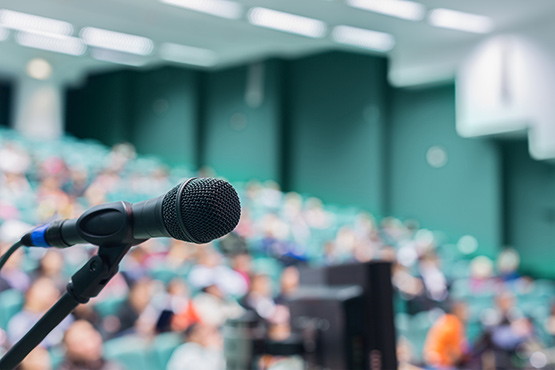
447 18
188 55
287 22
118 57
65 44
403 9
39 69
34 23
363 38
219 8
112 40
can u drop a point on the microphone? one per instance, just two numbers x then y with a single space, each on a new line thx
198 210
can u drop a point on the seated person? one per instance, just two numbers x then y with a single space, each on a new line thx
4 284
133 308
83 346
446 343
203 349
214 308
259 297
41 295
37 359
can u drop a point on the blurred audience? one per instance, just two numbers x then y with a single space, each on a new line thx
51 267
41 295
132 309
209 268
260 298
12 273
167 285
405 354
509 331
481 274
507 265
203 349
214 307
174 307
241 263
83 349
37 359
4 284
289 283
550 322
446 344
433 278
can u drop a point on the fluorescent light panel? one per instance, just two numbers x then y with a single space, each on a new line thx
117 57
447 18
287 22
4 33
363 38
61 44
404 9
219 8
34 23
188 55
117 41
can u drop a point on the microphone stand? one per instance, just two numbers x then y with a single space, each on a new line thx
84 284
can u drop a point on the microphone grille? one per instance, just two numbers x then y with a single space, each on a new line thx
210 208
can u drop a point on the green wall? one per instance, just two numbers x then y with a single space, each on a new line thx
328 125
155 110
530 205
336 117
241 138
164 114
464 196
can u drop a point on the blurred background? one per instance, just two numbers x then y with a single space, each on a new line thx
417 133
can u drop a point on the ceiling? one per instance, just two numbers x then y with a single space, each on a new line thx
236 41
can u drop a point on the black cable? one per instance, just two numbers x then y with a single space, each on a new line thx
10 251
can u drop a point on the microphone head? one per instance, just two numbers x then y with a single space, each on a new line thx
201 210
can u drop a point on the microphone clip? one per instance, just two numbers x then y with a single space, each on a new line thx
110 227
97 272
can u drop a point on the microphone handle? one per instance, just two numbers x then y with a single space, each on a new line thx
103 225
147 219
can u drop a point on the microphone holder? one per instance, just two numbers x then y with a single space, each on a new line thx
84 284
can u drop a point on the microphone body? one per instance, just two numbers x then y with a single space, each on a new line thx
197 211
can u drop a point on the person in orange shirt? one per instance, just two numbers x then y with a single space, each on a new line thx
446 343
181 305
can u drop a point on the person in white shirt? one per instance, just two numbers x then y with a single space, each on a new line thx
203 349
214 308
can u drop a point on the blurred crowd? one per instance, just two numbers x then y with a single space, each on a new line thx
167 306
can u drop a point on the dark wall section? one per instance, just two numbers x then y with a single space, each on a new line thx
530 204
101 110
155 110
242 117
462 197
6 93
163 117
336 121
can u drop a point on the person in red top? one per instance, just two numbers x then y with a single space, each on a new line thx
446 343
181 304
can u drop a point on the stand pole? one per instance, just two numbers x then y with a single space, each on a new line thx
38 332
